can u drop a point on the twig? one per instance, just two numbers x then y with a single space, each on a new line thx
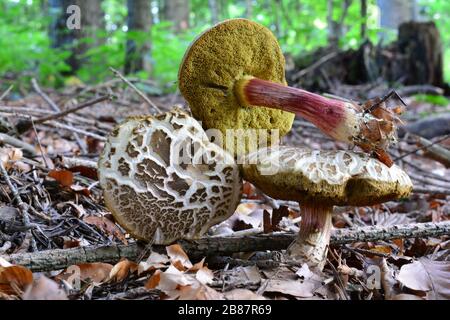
75 130
62 258
4 138
132 86
71 110
431 191
4 94
22 206
44 96
316 64
423 147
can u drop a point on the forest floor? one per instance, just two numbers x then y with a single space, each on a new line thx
59 241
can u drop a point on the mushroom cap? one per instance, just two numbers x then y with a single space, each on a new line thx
156 189
325 177
223 54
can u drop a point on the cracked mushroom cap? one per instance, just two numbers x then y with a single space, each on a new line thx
163 180
223 54
327 177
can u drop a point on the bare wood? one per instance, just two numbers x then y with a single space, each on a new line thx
4 138
4 94
44 96
23 208
215 246
71 110
434 151
132 86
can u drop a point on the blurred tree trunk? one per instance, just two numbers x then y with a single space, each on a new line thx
213 8
137 56
63 34
336 27
421 46
177 11
363 32
248 9
395 12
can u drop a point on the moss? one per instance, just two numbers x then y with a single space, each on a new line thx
216 60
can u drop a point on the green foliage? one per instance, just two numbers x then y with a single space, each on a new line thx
25 46
300 26
432 99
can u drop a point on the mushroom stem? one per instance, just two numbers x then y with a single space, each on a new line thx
342 121
312 243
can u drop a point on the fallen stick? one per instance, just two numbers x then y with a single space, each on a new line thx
216 246
71 110
28 148
132 86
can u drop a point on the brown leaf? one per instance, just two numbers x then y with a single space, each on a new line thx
267 223
242 294
293 288
85 171
428 276
64 177
154 280
14 279
96 272
154 261
176 253
198 291
44 289
107 226
204 275
122 269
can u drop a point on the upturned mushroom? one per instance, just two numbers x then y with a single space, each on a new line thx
238 64
320 180
163 180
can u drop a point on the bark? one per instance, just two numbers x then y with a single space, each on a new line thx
216 246
429 127
177 11
420 43
138 53
92 20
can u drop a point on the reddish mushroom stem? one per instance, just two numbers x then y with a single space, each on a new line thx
343 121
312 243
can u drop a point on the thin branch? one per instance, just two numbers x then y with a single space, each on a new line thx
62 258
71 110
132 86
44 96
4 94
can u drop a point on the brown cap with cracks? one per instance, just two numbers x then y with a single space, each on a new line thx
216 60
327 177
157 196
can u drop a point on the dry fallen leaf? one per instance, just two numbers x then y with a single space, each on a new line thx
44 289
14 279
96 272
106 225
242 294
154 261
198 291
176 253
292 288
64 177
428 276
122 269
204 275
9 155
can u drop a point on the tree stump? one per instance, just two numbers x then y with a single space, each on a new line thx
421 45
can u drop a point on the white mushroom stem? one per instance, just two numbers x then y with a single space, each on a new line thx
311 246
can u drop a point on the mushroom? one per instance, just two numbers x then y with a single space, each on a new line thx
238 64
320 180
163 180
212 65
